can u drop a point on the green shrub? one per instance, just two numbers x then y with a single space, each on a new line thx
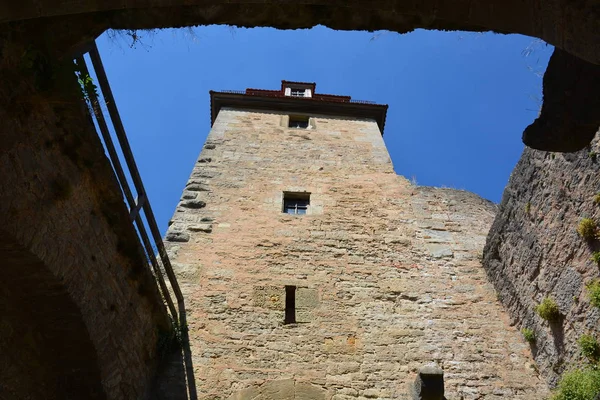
593 155
548 309
527 207
593 290
528 334
597 199
578 385
595 257
588 345
587 228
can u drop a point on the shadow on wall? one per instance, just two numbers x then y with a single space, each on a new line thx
45 347
175 376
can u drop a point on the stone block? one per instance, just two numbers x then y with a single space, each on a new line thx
307 298
189 195
438 250
207 228
281 389
437 236
306 391
272 297
193 204
197 187
177 236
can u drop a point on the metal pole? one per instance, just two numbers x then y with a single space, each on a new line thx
130 161
118 168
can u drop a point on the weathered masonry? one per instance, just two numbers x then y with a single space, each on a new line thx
312 271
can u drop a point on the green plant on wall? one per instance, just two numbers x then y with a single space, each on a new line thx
527 207
597 199
579 385
587 228
88 88
589 347
548 309
593 290
595 257
528 334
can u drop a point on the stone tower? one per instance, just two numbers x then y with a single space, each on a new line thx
312 271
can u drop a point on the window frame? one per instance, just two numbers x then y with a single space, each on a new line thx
295 201
300 119
297 92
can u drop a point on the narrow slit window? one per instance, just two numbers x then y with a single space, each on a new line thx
290 305
296 203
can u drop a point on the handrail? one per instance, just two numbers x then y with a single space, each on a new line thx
142 203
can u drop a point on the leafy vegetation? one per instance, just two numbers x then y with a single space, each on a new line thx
589 347
595 257
548 309
579 385
597 199
167 338
593 289
528 334
527 207
89 90
587 228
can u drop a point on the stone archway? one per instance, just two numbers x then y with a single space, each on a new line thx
46 349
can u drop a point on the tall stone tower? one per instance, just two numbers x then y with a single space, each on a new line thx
312 271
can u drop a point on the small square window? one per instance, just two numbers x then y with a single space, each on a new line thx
298 122
298 92
296 203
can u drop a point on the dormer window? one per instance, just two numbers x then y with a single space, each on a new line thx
298 92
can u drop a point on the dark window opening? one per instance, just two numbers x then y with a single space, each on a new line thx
298 122
298 92
296 203
290 305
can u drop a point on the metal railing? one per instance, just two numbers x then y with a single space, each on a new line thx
141 204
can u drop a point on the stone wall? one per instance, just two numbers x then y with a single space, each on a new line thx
387 275
80 310
533 251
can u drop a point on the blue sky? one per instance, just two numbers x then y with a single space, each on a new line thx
458 102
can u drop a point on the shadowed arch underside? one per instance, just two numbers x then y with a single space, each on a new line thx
45 350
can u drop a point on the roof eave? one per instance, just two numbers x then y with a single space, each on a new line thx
377 112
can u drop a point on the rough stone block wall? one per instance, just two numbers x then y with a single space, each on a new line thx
78 295
533 251
388 275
